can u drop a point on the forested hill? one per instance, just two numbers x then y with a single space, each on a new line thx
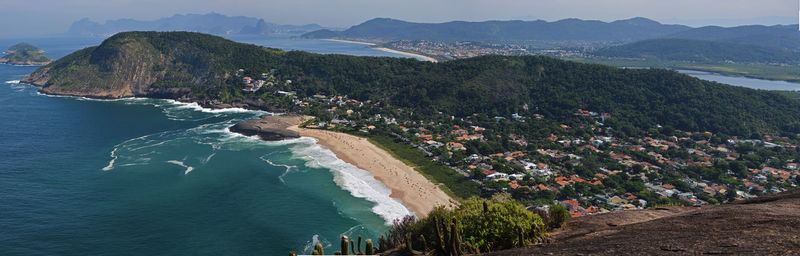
701 51
777 36
24 54
201 67
567 29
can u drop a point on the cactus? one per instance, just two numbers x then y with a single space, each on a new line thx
369 250
424 243
318 249
359 246
439 236
382 245
455 238
352 248
345 243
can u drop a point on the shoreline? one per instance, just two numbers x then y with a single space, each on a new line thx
415 191
409 186
410 54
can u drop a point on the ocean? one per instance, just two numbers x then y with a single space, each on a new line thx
158 177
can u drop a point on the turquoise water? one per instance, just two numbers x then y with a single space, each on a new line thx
157 177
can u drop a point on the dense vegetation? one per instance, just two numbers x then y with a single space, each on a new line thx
475 226
778 36
567 29
24 53
491 85
701 51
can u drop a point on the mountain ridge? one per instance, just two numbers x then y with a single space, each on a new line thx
212 23
565 29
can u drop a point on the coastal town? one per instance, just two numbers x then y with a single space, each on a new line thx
582 163
442 50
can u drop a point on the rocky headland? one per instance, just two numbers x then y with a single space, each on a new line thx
271 127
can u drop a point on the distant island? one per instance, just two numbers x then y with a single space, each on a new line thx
25 54
211 23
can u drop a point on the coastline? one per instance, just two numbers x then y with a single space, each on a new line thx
409 186
410 54
415 191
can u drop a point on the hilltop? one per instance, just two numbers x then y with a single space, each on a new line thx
199 67
24 54
767 225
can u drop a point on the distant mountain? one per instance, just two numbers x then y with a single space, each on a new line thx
212 23
701 51
779 36
384 29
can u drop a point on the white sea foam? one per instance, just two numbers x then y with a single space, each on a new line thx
309 247
113 159
12 82
197 107
358 182
288 167
209 158
181 164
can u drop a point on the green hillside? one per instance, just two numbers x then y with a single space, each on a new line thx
24 54
701 51
201 67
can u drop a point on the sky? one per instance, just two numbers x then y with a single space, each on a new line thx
20 18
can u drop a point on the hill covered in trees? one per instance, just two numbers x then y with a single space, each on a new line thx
24 54
199 67
777 36
701 51
568 29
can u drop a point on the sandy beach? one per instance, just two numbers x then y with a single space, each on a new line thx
408 185
426 58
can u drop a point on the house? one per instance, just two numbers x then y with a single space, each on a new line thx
517 176
497 175
247 80
455 146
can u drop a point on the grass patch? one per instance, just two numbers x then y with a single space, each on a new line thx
455 184
759 71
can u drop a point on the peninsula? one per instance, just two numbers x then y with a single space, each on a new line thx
25 54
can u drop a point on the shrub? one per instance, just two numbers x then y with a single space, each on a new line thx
558 216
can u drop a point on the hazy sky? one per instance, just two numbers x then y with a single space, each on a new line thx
36 17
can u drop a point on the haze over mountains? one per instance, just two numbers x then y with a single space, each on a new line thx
211 23
567 29
630 30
